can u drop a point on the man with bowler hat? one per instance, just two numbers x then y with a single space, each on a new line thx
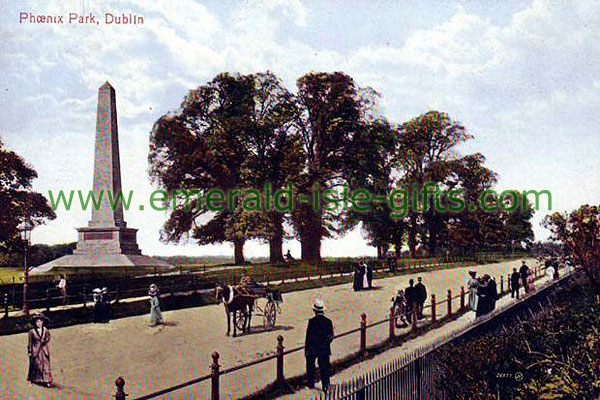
319 335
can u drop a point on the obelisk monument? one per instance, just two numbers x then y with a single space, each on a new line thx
106 241
107 230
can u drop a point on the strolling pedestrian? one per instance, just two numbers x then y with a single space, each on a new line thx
411 299
514 283
62 286
420 297
391 261
358 280
530 282
98 313
105 301
492 293
156 317
473 284
38 351
524 271
369 271
567 266
317 347
363 273
550 271
482 297
399 307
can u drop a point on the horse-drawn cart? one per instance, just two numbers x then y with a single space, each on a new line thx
243 301
266 306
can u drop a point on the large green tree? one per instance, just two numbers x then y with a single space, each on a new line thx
579 233
275 155
330 114
199 148
18 202
427 144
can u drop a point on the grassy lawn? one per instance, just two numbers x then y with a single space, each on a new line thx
8 273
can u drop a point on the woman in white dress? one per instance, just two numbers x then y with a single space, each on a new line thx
473 284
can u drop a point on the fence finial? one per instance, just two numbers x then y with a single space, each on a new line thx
120 393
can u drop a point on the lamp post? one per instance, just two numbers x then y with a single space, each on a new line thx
25 231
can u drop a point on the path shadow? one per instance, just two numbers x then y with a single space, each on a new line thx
170 323
256 330
373 288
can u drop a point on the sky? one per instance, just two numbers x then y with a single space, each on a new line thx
522 76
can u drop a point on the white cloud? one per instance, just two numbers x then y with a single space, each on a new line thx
526 87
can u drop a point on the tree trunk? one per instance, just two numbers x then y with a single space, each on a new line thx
398 246
276 241
311 248
412 235
238 245
311 233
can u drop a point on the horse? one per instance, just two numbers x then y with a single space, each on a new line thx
234 301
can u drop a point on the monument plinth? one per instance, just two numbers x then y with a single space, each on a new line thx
107 241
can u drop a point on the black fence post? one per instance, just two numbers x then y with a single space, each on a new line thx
433 316
363 333
215 377
392 325
462 298
5 305
280 377
84 297
48 300
449 302
120 393
116 294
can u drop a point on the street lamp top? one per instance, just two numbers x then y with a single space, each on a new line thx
24 229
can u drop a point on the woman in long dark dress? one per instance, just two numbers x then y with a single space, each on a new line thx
358 278
39 352
482 298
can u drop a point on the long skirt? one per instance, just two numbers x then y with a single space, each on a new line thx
39 368
473 299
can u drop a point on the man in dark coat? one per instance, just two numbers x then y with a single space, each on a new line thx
493 294
411 299
524 271
514 283
420 296
391 261
319 335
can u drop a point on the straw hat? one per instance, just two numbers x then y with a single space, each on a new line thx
318 306
41 316
153 291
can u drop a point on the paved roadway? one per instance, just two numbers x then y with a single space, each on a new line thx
86 359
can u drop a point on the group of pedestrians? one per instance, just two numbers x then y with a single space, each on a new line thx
483 293
363 276
38 349
409 300
523 277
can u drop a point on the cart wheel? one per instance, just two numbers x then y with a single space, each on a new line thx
270 316
240 320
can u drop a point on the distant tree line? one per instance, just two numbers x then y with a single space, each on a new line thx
244 131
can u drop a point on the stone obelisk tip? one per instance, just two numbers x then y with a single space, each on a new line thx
107 84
